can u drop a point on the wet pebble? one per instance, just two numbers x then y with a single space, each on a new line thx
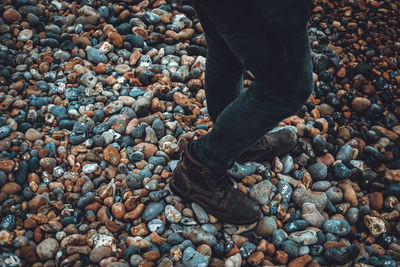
192 258
337 227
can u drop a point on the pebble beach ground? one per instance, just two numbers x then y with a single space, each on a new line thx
95 94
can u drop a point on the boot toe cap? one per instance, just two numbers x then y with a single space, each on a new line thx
249 212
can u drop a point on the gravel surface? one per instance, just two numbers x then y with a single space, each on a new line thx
95 94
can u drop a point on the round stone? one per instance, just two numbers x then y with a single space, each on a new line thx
266 226
47 248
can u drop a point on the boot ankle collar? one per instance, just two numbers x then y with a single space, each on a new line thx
189 159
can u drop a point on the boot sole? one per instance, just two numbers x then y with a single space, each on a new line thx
178 192
264 157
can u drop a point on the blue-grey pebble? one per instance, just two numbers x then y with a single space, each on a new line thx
159 128
200 213
138 131
136 92
145 173
297 174
79 133
390 190
316 250
266 226
342 255
151 17
247 249
337 227
304 250
192 258
129 251
69 220
241 170
294 226
157 195
278 236
156 225
38 101
51 147
3 178
152 210
291 248
287 162
345 153
157 161
96 56
341 171
58 111
8 223
352 215
285 190
51 42
334 194
175 239
134 180
172 164
209 228
4 131
318 171
85 200
321 186
21 175
136 156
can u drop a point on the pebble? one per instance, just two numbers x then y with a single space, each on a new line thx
8 223
305 238
278 236
345 153
152 210
172 214
263 192
341 171
25 35
291 248
233 261
12 15
200 213
192 258
311 215
341 255
47 248
266 226
337 227
318 171
321 186
288 164
90 168
96 56
319 199
199 236
99 253
242 170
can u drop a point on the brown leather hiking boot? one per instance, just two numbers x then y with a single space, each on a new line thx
272 145
212 190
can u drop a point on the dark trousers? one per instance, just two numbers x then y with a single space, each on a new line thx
269 38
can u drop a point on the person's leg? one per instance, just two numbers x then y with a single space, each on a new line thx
279 57
224 72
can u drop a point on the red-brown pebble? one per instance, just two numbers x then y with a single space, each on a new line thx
300 261
111 155
11 15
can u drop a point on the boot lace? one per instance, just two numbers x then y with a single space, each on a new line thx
261 143
220 181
